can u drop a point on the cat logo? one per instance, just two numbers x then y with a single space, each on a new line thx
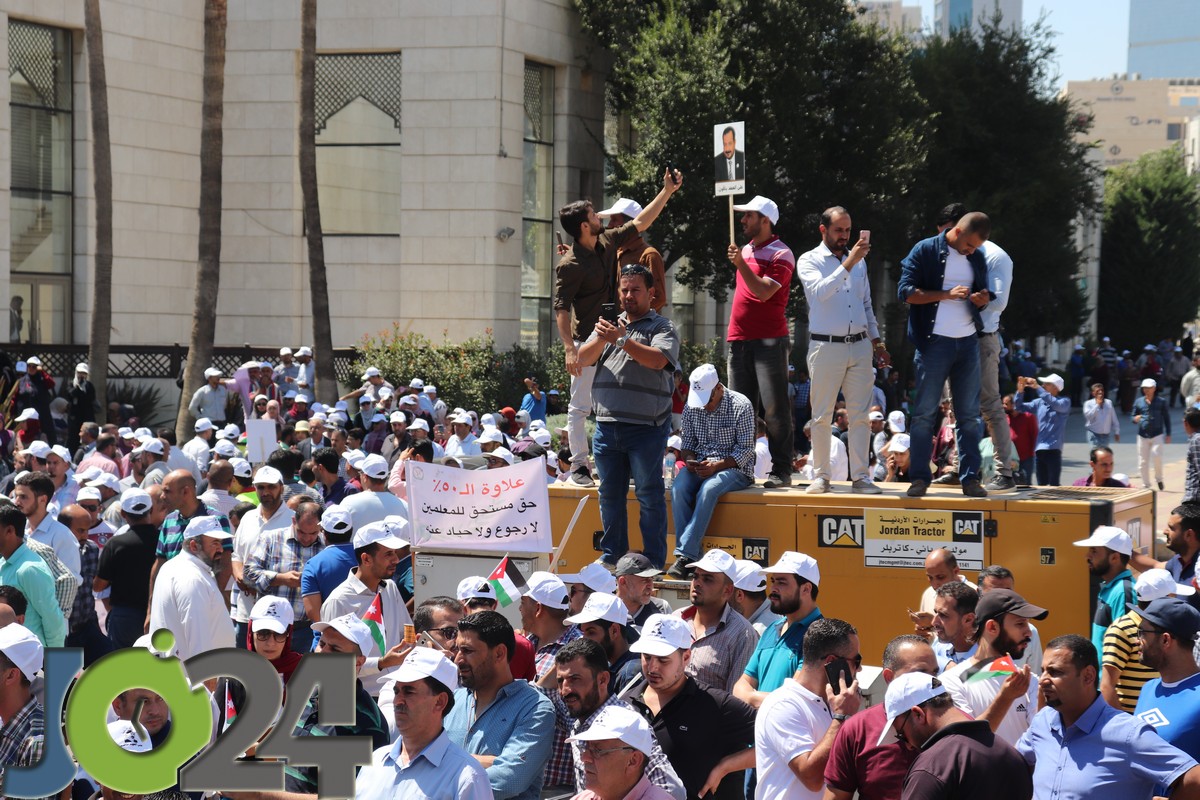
839 531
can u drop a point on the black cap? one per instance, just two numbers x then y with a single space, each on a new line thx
996 603
1175 616
636 564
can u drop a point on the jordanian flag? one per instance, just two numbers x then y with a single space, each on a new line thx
374 620
507 581
230 711
1000 667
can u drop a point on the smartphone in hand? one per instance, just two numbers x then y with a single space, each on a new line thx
839 674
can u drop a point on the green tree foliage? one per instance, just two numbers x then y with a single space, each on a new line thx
1150 249
1004 142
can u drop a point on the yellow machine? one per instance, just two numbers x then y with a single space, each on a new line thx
871 548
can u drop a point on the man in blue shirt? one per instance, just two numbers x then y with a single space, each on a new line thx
1171 703
1052 412
1108 554
423 762
944 283
534 400
1079 746
328 569
506 724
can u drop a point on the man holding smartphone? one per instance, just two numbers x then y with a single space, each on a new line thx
584 280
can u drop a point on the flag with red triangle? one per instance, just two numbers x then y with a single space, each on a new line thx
374 620
508 582
1002 666
230 710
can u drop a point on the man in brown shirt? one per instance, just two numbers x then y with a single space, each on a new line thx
584 280
636 251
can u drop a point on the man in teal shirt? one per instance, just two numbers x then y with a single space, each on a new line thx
1108 554
792 584
25 570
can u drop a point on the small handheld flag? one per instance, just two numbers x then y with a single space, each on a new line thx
508 582
374 620
1001 666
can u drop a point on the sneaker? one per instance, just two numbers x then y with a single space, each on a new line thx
864 486
608 565
581 477
1160 486
1001 484
949 479
818 486
918 488
679 570
972 489
774 481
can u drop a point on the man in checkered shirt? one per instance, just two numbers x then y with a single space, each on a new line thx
718 447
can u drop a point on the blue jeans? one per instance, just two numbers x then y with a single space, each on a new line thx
93 641
622 450
936 360
1099 439
758 368
693 500
1028 471
1048 464
124 625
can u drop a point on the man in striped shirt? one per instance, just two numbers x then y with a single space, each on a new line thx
1122 672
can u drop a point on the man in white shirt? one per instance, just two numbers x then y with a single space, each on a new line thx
197 448
220 477
840 357
186 599
463 442
270 515
377 547
31 494
796 725
374 503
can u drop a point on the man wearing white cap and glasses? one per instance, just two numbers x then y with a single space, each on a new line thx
843 345
186 599
705 732
960 757
718 451
423 763
271 515
1108 552
210 399
793 582
22 737
615 752
724 639
635 250
758 333
1043 398
377 546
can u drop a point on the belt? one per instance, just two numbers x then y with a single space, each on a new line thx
851 339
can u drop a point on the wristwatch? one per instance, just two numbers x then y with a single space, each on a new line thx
621 340
841 717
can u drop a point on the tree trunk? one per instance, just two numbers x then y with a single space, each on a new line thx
326 377
208 268
101 330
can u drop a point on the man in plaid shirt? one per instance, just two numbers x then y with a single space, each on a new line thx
22 738
83 628
277 561
718 448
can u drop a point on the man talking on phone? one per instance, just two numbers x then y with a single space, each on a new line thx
584 281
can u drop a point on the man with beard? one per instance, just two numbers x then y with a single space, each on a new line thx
1167 634
635 250
724 639
581 671
793 582
1108 551
988 686
954 624
271 515
1183 539
635 586
506 724
186 599
605 621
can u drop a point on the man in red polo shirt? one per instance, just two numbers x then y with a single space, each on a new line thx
758 333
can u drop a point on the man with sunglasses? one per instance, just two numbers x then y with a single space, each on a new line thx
1168 703
959 756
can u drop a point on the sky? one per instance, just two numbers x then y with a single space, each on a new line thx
1092 36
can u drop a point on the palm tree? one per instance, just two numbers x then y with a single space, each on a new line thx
208 268
101 331
326 388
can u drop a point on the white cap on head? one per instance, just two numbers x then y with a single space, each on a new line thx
896 420
382 533
272 613
1149 383
22 648
241 467
38 449
905 693
304 352
1108 536
430 389
354 629
416 383
547 589
203 424
763 206
83 367
205 526
374 466
425 662
602 606
225 449
1155 584
89 474
662 635
61 452
285 351
418 425
702 381
875 416
502 453
489 436
268 475
372 372
542 437
899 443
88 493
108 481
717 561
26 414
799 564
594 576
355 458
623 206
475 587
397 416
1054 379
212 372
127 738
750 577
136 501
488 420
336 519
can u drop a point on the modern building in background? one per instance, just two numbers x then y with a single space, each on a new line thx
1164 38
892 14
949 15
1135 117
448 134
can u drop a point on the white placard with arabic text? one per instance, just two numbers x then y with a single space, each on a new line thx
502 510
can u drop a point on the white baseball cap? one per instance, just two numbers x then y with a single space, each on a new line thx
285 351
150 445
905 693
89 474
27 414
381 533
38 449
203 424
1055 379
793 563
896 420
702 382
355 458
750 577
212 372
241 467
425 662
61 452
302 398
418 424
304 351
542 437
430 389
336 519
490 435
594 576
88 493
628 208
875 416
83 367
268 475
622 724
232 431
662 635
548 589
1108 536
272 613
225 449
107 480
416 383
762 205
602 606
1155 584
205 526
717 561
126 737
372 372
22 648
502 453
136 501
398 416
34 360
475 587
374 466
353 629
899 443
1149 383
